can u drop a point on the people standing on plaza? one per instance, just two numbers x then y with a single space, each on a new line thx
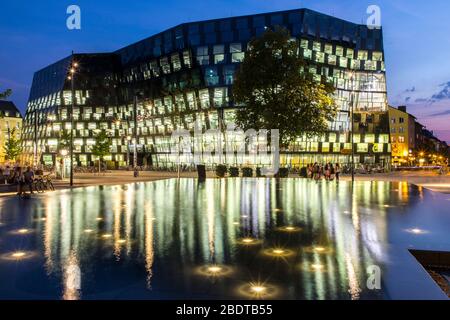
19 180
316 174
327 172
332 172
29 177
338 171
7 174
309 171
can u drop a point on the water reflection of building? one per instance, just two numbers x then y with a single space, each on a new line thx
186 75
171 227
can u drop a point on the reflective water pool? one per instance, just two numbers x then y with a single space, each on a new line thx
223 239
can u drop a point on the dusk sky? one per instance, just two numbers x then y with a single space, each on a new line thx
416 37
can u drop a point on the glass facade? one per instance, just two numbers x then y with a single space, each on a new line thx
185 75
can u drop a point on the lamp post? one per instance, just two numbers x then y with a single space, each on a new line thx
135 131
64 155
73 67
352 102
128 151
35 149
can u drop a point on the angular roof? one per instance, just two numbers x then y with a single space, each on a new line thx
9 106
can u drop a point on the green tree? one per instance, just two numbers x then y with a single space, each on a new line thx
274 90
5 94
102 146
13 146
64 140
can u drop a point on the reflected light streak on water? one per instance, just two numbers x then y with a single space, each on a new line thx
155 235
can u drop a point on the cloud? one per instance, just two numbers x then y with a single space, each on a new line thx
414 95
443 94
439 114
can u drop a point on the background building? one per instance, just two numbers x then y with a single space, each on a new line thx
412 143
10 119
403 135
184 76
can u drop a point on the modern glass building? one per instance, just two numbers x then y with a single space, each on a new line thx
184 76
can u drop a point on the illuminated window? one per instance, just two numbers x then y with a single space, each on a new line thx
378 147
325 147
228 73
377 56
350 53
336 147
316 46
307 53
220 96
219 58
369 138
401 139
165 66
187 58
363 55
343 62
332 60
204 98
304 44
370 65
176 63
211 76
383 138
356 64
237 57
313 147
320 57
362 147
332 137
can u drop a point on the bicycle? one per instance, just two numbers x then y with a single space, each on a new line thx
43 183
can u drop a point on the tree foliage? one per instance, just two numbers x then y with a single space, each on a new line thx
102 146
13 146
5 94
64 140
274 90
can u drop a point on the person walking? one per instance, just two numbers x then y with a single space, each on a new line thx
338 171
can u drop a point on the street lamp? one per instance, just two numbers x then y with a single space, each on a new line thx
135 131
352 103
72 79
128 151
64 154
